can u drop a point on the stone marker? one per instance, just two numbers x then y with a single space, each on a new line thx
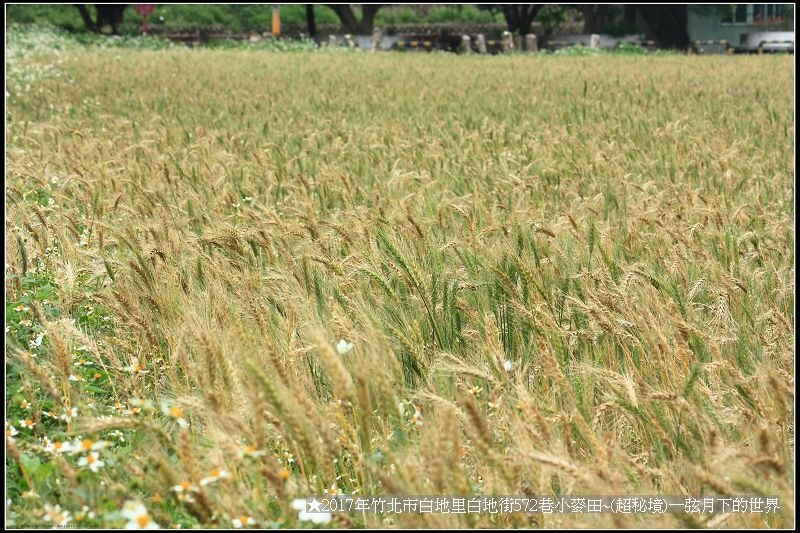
349 40
480 43
332 40
466 45
531 44
594 41
377 39
508 41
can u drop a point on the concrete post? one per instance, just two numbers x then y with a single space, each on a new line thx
508 42
480 43
466 45
531 44
377 40
594 41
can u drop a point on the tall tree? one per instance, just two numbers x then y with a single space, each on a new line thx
349 20
107 15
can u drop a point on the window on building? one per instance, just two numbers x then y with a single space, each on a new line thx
755 14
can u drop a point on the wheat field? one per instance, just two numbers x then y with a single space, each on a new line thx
236 278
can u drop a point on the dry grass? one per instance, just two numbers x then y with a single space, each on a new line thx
618 229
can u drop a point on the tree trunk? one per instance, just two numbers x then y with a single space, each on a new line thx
110 14
346 16
595 17
511 13
519 17
349 21
528 16
87 18
368 17
312 25
107 14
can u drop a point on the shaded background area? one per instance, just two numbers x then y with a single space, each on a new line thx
258 18
669 25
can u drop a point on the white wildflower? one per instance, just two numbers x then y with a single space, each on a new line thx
344 347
